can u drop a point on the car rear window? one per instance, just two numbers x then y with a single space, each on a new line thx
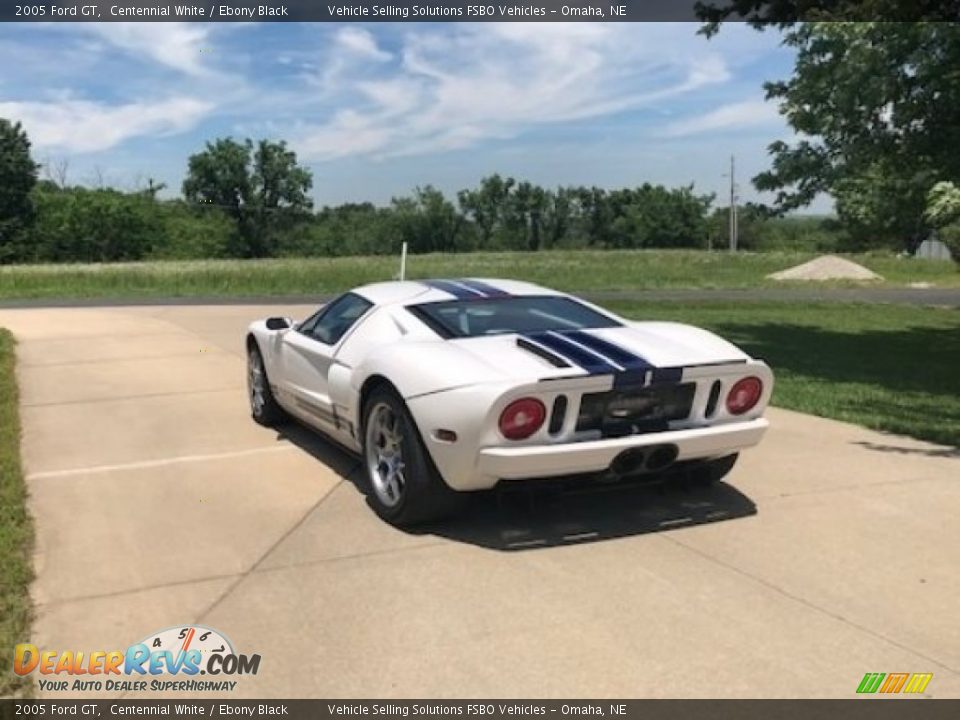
498 316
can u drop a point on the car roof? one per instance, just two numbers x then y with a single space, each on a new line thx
411 292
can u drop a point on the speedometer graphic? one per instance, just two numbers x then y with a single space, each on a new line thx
184 638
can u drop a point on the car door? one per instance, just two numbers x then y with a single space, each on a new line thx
308 352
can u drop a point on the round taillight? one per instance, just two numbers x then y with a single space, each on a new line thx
522 418
744 395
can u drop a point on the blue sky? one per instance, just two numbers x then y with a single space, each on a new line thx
377 109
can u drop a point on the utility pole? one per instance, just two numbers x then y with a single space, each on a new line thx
733 206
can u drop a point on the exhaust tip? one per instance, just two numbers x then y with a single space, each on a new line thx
629 461
662 456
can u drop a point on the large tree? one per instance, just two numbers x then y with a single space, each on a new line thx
262 187
18 175
874 106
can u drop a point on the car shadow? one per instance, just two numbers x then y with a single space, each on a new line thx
341 461
527 517
941 452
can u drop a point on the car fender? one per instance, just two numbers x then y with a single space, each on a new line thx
268 342
416 369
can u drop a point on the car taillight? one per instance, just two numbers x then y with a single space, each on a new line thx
522 418
744 395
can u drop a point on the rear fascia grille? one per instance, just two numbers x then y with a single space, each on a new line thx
634 410
558 414
712 400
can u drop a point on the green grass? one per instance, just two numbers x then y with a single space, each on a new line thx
16 531
893 368
567 270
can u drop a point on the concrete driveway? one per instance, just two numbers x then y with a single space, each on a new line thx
834 551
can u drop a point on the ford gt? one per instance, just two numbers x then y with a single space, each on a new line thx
449 386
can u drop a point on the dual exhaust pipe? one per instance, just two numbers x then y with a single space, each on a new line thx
646 459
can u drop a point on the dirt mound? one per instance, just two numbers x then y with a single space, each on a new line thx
826 267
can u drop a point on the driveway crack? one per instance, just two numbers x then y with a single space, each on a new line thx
228 591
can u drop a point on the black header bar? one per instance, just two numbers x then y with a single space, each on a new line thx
894 708
345 11
438 10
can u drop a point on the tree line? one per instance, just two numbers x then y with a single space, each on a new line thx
251 200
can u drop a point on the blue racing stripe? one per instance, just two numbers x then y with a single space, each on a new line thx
575 354
485 288
667 375
621 356
458 291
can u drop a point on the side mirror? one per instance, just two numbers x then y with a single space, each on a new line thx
278 323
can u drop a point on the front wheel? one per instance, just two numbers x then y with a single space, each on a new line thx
263 405
405 487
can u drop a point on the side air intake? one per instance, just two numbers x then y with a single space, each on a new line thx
542 353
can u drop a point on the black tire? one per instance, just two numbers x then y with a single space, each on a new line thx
265 409
713 471
404 489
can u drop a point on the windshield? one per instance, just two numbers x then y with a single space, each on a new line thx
497 316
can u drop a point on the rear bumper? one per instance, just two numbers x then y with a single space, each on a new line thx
537 461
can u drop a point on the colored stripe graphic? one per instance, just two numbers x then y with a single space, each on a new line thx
870 683
918 682
894 682
485 288
591 362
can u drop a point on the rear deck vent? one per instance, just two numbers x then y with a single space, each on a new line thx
558 415
713 399
542 353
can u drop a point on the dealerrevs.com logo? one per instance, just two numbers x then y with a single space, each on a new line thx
168 660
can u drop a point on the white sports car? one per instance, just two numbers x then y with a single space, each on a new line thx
446 386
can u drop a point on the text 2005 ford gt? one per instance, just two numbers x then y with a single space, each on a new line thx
445 386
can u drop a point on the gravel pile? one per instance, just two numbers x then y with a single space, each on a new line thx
826 267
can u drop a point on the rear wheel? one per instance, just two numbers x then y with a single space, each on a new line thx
405 487
263 406
712 471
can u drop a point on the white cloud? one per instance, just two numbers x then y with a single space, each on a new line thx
362 43
82 126
174 44
475 82
734 116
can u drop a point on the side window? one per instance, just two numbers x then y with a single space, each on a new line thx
338 317
306 327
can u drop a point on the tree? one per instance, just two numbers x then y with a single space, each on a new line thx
522 217
428 222
557 216
263 190
943 213
83 225
595 215
786 13
487 206
18 175
654 216
874 105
